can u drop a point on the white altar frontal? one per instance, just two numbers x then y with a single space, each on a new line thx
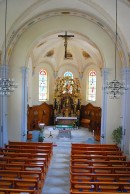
66 122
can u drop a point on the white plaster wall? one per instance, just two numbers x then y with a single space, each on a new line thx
50 25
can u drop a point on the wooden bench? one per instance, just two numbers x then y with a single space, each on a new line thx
17 191
98 157
26 146
99 152
34 145
74 145
87 162
83 169
50 144
22 167
22 154
88 192
97 149
107 186
100 177
35 174
98 168
20 183
27 150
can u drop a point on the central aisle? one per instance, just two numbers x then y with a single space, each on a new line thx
58 176
58 179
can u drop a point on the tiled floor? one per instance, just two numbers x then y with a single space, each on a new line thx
58 179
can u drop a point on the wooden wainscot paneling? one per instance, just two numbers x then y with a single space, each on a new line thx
39 114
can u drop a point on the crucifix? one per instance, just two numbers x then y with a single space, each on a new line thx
66 36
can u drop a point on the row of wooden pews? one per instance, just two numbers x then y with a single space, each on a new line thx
23 167
98 168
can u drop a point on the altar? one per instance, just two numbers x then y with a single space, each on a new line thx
67 102
66 122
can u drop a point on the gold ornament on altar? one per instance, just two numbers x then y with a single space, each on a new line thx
67 96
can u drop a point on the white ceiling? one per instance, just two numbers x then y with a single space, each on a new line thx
21 12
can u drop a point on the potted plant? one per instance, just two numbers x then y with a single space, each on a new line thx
40 137
117 135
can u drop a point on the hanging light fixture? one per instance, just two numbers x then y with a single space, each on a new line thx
7 85
115 88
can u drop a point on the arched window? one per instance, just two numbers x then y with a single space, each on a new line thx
68 73
42 85
92 85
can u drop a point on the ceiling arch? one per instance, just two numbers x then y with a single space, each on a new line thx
16 34
94 11
52 48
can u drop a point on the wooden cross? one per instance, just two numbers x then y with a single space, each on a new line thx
66 36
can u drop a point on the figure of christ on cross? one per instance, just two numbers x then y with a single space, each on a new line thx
66 36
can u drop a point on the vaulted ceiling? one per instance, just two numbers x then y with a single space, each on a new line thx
22 14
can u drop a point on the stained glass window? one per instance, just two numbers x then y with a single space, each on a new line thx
42 85
68 73
92 86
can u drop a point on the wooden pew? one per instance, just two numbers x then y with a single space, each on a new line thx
19 166
97 157
97 148
17 191
19 163
20 183
29 146
26 146
83 169
88 192
74 145
100 177
32 144
24 160
106 186
28 155
22 174
99 162
98 168
26 150
28 142
95 152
